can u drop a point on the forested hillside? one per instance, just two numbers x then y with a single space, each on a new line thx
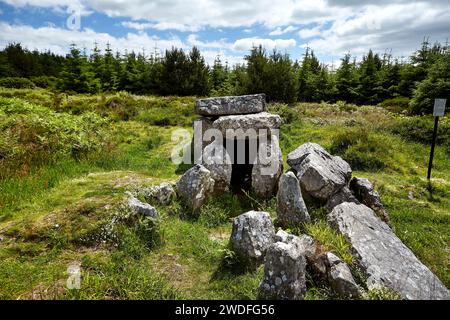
378 78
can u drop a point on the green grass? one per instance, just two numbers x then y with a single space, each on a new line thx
56 207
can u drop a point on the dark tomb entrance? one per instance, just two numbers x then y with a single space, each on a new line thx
242 165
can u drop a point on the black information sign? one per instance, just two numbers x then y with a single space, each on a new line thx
438 111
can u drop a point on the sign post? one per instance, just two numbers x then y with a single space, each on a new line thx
438 111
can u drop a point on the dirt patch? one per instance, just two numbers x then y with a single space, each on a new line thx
174 271
46 291
219 235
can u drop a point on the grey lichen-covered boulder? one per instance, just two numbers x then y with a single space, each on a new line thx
340 277
218 106
365 192
163 193
265 176
342 195
291 208
320 173
253 232
217 160
386 261
139 207
284 273
194 186
305 243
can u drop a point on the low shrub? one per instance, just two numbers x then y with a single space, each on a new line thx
396 104
34 135
44 82
16 83
362 149
420 129
287 113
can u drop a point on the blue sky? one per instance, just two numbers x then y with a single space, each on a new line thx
227 28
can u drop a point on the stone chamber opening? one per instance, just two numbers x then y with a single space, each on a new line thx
242 165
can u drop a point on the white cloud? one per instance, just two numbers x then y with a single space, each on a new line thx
246 44
400 27
140 26
279 31
332 27
309 33
59 40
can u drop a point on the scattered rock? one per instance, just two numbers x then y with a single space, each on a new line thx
364 192
163 193
218 106
140 207
194 186
265 176
342 195
284 273
291 208
253 232
320 173
217 160
340 277
386 261
304 243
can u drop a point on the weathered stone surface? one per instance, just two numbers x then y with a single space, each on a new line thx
340 277
284 273
291 208
304 243
342 195
365 192
320 173
386 261
217 106
247 122
194 186
139 207
163 193
253 232
217 160
265 176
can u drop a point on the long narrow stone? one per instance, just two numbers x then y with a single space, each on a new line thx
219 106
386 261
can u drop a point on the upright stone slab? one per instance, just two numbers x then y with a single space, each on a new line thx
284 273
320 174
217 160
291 208
340 277
386 261
194 186
219 106
253 232
265 175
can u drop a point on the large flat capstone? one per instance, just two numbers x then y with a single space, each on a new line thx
386 261
218 106
245 123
